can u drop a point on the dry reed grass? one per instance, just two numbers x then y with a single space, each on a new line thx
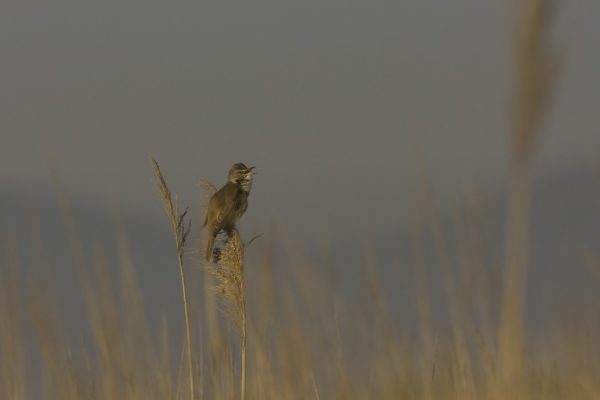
536 70
180 232
306 342
228 274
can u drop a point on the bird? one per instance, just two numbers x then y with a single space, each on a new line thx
227 205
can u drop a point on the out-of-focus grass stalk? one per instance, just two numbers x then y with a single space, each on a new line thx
535 75
12 359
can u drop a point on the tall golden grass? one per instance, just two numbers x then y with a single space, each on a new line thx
180 231
296 335
535 71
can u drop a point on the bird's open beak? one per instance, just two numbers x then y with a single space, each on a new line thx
251 170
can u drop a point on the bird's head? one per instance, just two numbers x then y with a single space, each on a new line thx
241 175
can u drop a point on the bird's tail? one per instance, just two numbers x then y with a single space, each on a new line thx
209 247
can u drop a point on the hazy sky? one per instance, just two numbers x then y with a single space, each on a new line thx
325 97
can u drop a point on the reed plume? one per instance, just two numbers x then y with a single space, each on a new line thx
181 231
229 284
536 69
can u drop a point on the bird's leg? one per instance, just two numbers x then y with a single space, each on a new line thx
229 232
217 254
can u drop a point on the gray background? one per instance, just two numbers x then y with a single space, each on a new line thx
327 98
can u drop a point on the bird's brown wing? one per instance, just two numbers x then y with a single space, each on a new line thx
225 206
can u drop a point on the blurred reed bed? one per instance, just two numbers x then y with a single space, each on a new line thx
305 339
288 330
